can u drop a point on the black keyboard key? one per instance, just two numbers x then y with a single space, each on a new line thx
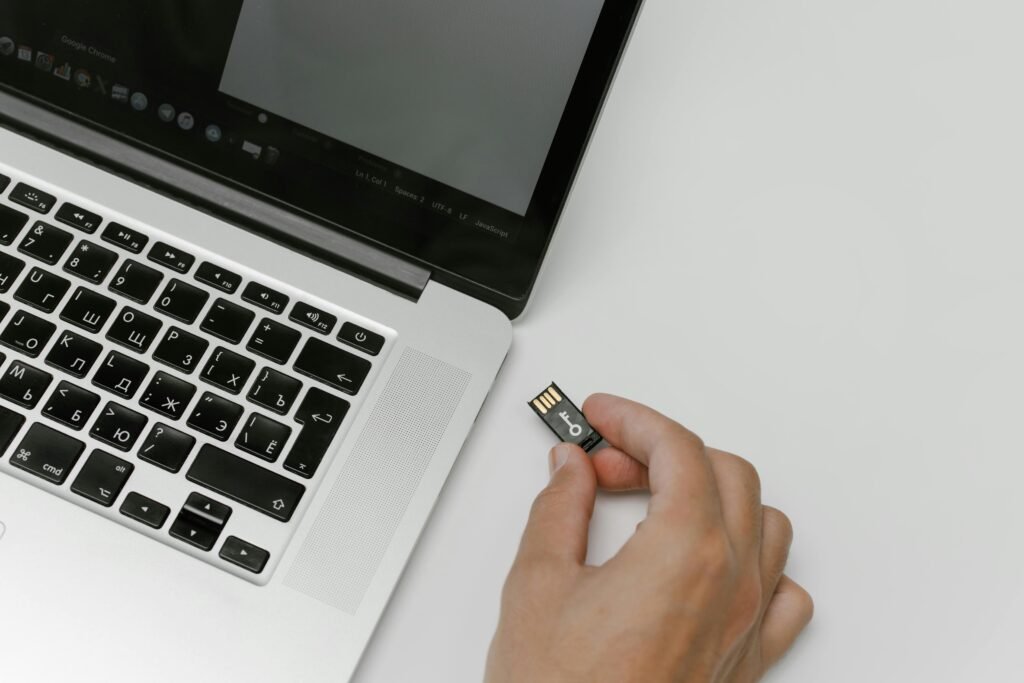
24 384
215 416
274 341
5 308
166 447
171 257
119 426
31 198
74 354
313 318
11 224
77 217
275 391
90 262
45 242
10 269
265 297
167 395
200 521
136 281
47 453
10 425
4 182
71 405
145 510
134 329
120 374
227 321
218 278
320 415
228 370
42 290
27 333
263 437
88 310
124 237
332 366
102 477
249 484
182 301
181 350
244 554
361 338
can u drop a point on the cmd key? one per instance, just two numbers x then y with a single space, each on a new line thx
47 453
332 366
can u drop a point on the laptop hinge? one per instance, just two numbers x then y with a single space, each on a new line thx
294 231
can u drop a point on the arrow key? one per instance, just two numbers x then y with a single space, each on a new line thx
145 510
200 521
245 555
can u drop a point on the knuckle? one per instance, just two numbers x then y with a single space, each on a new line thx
778 519
805 602
716 557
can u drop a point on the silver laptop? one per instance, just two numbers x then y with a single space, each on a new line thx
258 262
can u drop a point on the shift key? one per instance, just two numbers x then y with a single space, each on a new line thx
249 484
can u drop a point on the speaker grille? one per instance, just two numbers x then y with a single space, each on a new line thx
346 543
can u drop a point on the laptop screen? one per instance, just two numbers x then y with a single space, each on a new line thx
448 131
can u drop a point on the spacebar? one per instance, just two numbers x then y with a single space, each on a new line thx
249 484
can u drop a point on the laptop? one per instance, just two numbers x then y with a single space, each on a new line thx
258 266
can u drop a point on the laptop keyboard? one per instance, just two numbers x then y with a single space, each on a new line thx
164 387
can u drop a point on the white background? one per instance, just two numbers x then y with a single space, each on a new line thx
798 230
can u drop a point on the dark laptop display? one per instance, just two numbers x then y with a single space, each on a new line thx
448 131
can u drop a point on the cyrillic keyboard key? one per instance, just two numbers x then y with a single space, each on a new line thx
168 395
102 478
10 425
332 366
265 297
88 310
320 415
245 555
119 426
24 385
171 257
263 437
313 318
27 333
42 290
47 453
11 224
215 416
228 370
181 350
166 447
136 281
361 338
90 262
249 484
275 391
218 278
274 341
120 374
124 237
77 217
45 242
10 269
145 510
74 354
134 329
31 198
71 405
228 321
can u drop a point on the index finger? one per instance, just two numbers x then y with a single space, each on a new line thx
678 467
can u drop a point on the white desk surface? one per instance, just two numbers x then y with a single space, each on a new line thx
798 230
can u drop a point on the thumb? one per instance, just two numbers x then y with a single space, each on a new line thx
560 518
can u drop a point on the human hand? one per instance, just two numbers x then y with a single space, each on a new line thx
697 595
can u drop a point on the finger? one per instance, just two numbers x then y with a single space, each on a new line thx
678 469
560 518
790 611
776 539
739 489
617 471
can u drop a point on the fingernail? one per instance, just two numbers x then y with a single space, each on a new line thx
559 456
